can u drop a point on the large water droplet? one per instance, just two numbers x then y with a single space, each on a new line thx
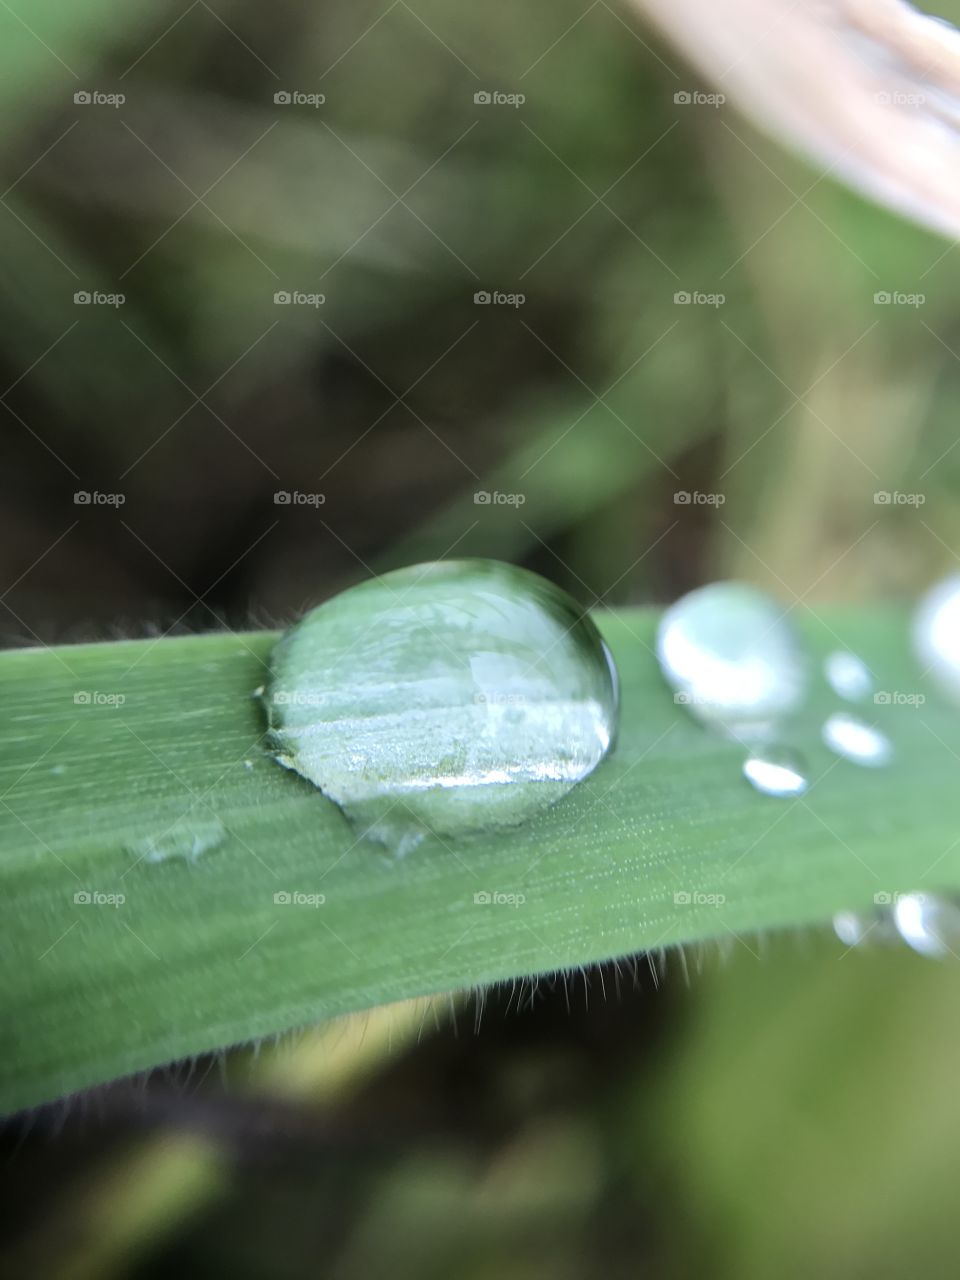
856 740
928 923
936 633
776 771
448 698
731 655
848 676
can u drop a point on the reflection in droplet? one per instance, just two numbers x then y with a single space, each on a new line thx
848 676
928 923
448 698
732 657
936 633
856 740
776 771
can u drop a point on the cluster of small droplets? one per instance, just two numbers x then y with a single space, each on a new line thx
928 923
734 660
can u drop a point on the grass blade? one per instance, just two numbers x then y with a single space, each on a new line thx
664 844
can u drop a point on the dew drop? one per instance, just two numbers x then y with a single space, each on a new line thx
732 657
865 928
936 633
451 698
848 676
856 740
185 840
928 923
776 771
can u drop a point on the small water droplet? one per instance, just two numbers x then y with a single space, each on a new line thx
186 840
865 928
449 697
928 923
936 633
776 771
856 740
58 770
248 764
733 658
848 676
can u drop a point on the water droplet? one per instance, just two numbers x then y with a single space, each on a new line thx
731 655
449 697
856 740
936 633
776 771
928 923
186 840
848 676
865 928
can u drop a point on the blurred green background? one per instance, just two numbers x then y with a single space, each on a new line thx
789 1112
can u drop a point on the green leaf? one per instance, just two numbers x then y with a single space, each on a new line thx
665 843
